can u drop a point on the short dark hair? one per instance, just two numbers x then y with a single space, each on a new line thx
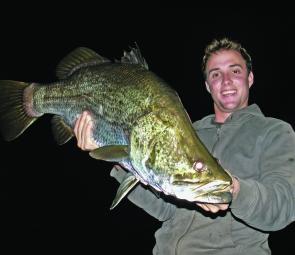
225 44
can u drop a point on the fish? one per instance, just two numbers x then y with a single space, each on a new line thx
139 122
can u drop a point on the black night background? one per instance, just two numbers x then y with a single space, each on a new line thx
57 198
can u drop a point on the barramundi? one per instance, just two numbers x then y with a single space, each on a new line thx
139 122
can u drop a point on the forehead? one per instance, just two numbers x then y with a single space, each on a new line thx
225 58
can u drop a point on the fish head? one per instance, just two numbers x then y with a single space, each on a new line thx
201 181
169 156
191 172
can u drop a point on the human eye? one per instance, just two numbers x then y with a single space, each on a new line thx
214 75
237 71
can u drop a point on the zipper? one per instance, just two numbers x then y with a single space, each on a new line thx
184 233
192 220
217 140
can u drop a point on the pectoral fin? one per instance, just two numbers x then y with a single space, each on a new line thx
126 185
113 153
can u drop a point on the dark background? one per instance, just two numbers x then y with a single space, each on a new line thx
58 198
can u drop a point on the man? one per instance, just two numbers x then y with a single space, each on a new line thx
258 151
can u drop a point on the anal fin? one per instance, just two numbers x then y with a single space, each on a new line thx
61 131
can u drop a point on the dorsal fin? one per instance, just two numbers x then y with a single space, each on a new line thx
134 57
61 131
77 59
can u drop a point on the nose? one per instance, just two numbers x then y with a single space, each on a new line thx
226 79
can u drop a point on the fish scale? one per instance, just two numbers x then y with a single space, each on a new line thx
138 121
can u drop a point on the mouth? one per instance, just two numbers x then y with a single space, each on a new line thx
212 192
224 197
228 93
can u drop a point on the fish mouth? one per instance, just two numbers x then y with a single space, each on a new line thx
222 196
212 192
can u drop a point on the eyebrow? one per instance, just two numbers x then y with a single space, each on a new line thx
212 70
216 69
234 65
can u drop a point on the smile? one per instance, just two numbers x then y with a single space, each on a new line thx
228 92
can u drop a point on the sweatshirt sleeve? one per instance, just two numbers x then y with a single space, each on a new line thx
146 199
268 203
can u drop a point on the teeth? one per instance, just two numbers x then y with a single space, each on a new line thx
228 92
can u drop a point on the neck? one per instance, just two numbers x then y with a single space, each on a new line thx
220 117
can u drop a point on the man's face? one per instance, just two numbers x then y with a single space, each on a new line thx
228 80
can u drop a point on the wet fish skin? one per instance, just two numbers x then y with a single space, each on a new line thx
139 121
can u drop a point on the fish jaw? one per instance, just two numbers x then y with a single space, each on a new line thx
215 191
193 187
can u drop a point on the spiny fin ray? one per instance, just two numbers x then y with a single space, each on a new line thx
134 57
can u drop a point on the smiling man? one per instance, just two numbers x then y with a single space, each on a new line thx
228 80
258 151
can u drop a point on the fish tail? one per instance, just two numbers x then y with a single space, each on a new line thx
16 108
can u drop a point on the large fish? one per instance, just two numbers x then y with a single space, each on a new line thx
139 122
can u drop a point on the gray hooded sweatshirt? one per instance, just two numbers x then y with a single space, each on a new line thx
260 152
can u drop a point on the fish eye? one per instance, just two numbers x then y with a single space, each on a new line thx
199 166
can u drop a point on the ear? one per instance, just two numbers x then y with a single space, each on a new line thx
207 87
250 79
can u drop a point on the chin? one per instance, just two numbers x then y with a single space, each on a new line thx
231 104
230 107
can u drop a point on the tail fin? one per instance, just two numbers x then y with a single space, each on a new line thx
13 117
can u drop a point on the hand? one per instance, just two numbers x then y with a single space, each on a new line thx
214 208
83 131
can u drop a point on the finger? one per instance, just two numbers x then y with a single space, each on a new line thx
76 130
81 129
210 208
217 207
213 208
87 131
203 206
223 206
77 125
89 143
